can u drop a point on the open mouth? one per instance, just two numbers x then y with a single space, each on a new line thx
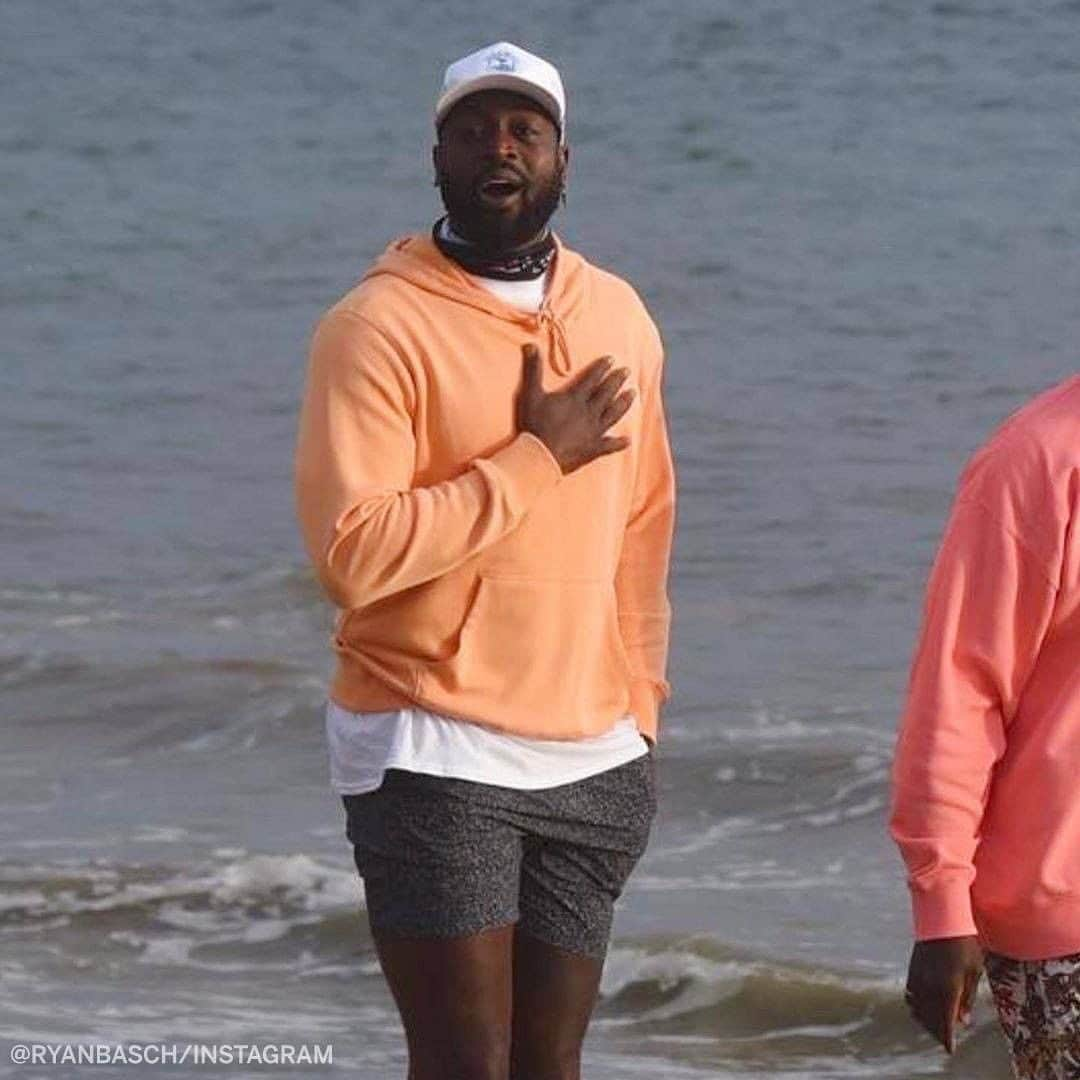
499 189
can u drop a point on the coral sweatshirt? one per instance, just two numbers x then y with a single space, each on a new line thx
473 577
986 797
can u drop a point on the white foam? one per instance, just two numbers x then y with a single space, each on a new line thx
170 950
734 880
160 834
667 969
127 937
299 876
698 981
266 930
200 920
769 725
307 887
839 814
31 900
703 982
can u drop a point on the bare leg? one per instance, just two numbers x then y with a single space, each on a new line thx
454 996
554 995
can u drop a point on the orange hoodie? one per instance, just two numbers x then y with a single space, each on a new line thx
986 796
474 578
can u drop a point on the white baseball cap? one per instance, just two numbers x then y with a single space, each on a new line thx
504 66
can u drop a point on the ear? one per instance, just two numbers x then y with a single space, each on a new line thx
564 157
436 158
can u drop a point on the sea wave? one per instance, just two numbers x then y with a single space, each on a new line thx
237 898
722 1005
699 1002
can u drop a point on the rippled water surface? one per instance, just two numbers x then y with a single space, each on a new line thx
856 225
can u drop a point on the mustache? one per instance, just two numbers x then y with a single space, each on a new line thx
503 172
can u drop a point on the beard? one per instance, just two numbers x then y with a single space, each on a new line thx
497 233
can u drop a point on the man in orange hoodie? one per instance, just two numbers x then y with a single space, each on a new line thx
486 491
986 800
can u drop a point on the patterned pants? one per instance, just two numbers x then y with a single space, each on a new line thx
1038 1002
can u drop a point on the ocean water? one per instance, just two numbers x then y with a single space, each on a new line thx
856 225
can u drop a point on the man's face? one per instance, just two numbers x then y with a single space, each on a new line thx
500 168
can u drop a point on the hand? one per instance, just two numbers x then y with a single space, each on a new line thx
572 422
942 978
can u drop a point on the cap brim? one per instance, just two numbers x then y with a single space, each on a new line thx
499 81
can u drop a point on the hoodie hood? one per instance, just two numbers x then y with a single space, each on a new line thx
417 260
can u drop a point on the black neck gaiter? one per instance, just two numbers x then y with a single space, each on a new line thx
525 264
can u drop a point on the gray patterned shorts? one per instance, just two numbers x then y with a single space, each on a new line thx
1038 1002
447 858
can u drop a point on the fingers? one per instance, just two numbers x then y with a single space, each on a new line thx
951 1013
967 998
592 377
935 1012
614 411
530 357
601 395
943 976
958 1010
940 1008
573 421
611 444
597 385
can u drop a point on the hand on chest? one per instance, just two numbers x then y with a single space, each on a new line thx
466 405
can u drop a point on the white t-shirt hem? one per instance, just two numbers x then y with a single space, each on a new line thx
362 746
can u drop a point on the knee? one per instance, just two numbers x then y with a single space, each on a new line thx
488 1062
548 1061
486 1059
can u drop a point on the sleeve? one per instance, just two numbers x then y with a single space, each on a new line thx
642 573
368 531
989 602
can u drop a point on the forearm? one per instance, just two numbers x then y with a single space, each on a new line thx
390 542
369 531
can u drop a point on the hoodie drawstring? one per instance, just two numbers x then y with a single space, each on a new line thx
559 347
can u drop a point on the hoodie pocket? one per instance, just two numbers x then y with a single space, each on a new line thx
539 657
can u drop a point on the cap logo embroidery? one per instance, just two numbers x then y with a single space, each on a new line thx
501 61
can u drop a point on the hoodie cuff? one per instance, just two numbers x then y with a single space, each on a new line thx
943 911
526 469
645 698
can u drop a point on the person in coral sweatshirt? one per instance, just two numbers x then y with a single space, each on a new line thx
986 784
486 491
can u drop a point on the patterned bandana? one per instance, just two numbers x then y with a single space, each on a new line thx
525 264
